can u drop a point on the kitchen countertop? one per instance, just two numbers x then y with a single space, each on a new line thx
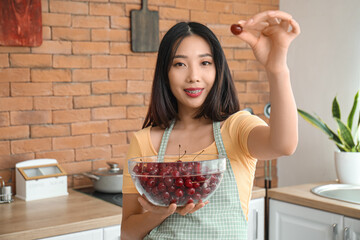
61 215
56 216
301 195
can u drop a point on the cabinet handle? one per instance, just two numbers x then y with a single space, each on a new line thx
256 221
334 231
346 233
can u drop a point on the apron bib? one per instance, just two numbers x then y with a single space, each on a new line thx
222 218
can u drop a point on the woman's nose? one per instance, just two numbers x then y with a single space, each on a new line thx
194 74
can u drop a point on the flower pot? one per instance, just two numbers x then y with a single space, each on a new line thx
347 165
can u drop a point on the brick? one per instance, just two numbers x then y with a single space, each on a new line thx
4 147
268 7
216 6
49 131
237 65
44 6
70 116
71 142
125 124
108 87
204 17
88 75
139 86
120 48
127 99
108 139
8 161
120 150
190 4
137 112
61 156
90 47
257 87
108 113
30 60
72 89
107 9
149 74
90 22
91 101
230 18
4 119
16 103
240 86
126 74
109 35
71 61
4 60
14 75
52 103
14 49
246 8
46 32
93 153
54 47
233 42
108 61
246 75
81 128
244 54
31 89
120 22
50 75
174 13
165 25
141 62
30 145
76 167
56 19
248 98
4 89
30 117
70 34
69 7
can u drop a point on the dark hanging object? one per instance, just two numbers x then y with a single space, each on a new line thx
144 29
20 23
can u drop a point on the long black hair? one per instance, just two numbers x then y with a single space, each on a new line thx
222 99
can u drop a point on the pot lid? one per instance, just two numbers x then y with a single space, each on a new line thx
114 170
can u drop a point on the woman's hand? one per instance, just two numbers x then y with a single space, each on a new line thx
270 34
167 211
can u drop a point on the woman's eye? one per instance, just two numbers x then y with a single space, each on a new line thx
179 64
205 63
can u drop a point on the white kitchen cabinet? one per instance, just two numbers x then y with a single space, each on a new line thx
291 221
107 233
256 219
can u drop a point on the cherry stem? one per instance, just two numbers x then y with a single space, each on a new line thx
198 154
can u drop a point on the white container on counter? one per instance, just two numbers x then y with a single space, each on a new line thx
40 178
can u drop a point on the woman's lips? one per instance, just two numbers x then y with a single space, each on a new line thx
193 92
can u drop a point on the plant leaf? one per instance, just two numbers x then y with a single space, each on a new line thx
318 123
345 134
336 109
341 147
352 112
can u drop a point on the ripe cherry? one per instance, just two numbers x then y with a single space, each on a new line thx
236 29
179 193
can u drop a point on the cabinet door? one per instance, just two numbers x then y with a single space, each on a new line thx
112 233
290 221
256 219
94 234
351 229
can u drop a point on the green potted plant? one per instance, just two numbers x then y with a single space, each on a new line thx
346 138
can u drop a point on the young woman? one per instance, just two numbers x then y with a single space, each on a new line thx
194 105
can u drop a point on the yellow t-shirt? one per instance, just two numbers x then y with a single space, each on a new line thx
234 131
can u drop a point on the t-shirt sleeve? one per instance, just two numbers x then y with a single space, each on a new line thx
133 151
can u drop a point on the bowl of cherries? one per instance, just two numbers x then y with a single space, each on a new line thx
177 179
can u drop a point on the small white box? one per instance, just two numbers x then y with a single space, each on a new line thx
40 178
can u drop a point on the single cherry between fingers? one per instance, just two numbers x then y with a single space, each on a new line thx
236 29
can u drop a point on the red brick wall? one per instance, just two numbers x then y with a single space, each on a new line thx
80 95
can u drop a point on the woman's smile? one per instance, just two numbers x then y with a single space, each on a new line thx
193 92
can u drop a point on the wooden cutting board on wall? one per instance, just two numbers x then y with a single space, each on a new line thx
20 23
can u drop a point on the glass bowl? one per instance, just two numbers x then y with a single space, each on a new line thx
178 179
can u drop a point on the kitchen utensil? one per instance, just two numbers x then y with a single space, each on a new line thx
177 181
144 29
40 178
5 194
107 180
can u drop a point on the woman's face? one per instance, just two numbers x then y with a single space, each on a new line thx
192 73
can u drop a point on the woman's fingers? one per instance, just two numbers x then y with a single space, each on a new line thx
159 210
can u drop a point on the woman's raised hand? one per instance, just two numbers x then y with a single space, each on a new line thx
269 34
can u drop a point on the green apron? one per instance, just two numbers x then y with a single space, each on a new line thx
223 218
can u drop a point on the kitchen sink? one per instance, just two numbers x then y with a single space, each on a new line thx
342 192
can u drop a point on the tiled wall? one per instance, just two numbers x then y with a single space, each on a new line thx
80 95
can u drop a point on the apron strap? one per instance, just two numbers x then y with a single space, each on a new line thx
164 141
218 139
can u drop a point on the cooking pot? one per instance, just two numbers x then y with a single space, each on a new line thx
107 180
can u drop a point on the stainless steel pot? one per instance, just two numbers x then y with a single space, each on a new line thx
107 180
